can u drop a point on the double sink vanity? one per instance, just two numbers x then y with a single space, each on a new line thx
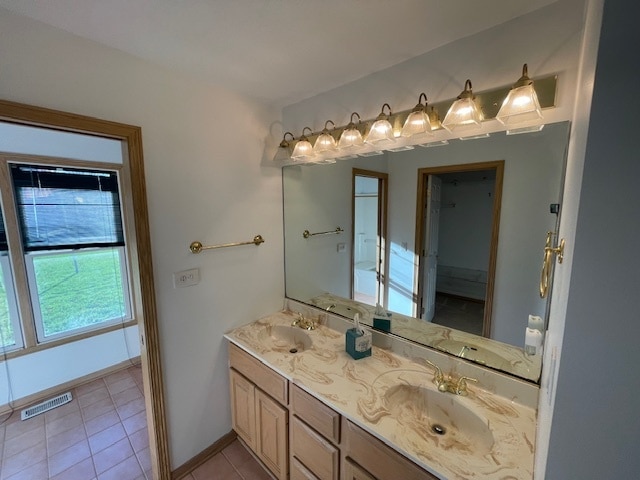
310 411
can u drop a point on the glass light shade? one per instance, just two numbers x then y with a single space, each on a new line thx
303 150
464 112
350 138
521 105
325 143
381 132
284 149
417 123
283 154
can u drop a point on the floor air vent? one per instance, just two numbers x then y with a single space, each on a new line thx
45 406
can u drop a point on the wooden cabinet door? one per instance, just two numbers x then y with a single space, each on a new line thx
353 472
271 441
243 408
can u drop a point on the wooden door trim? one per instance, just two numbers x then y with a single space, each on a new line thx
423 173
148 321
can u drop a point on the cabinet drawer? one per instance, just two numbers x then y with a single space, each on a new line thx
266 379
315 413
300 472
313 451
353 472
381 461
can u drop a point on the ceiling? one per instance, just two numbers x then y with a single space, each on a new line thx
278 51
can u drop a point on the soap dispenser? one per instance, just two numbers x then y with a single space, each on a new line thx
357 340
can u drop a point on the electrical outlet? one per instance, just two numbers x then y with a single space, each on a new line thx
341 247
186 278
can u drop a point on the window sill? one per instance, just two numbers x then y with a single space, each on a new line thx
66 340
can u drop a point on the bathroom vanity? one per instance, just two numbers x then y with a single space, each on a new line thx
309 411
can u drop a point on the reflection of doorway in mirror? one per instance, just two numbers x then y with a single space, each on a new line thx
458 229
368 258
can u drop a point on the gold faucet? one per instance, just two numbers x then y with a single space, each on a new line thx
302 322
448 384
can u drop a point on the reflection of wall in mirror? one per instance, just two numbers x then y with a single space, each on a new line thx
465 234
533 172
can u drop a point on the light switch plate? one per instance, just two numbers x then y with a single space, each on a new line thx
186 278
342 247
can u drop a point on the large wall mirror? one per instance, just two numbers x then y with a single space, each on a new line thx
456 262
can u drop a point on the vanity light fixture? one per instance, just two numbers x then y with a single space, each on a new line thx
325 143
381 132
434 119
303 149
417 122
351 138
284 149
521 104
464 112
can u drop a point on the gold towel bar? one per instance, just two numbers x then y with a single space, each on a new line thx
197 247
338 230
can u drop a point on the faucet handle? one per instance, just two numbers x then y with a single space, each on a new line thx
461 387
439 376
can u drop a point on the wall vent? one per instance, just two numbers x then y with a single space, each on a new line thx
46 406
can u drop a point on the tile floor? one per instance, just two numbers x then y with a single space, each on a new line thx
101 435
233 463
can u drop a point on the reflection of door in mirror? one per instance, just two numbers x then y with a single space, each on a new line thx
457 228
368 264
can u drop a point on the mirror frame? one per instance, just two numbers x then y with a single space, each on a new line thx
148 322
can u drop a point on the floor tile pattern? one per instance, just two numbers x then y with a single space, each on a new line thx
100 435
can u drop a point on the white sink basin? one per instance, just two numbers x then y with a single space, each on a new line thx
439 417
285 338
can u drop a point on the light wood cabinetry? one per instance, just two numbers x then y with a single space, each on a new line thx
260 420
352 471
298 437
314 430
243 408
379 460
271 434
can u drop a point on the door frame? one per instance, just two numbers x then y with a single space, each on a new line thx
383 273
423 174
148 322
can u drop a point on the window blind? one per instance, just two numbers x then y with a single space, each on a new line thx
66 208
3 235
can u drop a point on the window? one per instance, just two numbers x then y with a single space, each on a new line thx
72 238
10 333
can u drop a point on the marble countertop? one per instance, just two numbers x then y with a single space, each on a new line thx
494 354
496 441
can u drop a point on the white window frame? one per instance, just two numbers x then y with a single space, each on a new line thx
35 299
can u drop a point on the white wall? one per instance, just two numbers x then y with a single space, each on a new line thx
596 425
548 40
465 224
39 371
203 149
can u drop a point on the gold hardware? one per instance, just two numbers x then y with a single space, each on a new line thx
549 251
448 384
304 323
197 247
307 234
488 100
